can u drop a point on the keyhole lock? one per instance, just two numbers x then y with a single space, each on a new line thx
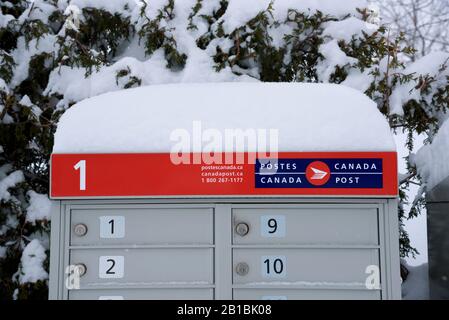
80 269
242 229
80 229
242 269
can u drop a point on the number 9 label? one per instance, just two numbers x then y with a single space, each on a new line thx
272 226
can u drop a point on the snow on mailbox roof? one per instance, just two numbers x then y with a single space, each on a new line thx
309 117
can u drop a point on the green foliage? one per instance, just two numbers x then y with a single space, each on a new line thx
103 31
6 65
95 42
303 45
157 37
26 137
131 81
253 49
204 40
34 30
195 10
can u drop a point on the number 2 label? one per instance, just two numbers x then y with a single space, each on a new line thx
272 226
111 267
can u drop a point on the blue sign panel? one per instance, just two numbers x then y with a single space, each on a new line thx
319 173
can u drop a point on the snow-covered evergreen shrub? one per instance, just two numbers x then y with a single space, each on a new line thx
54 53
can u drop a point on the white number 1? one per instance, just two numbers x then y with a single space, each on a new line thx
81 165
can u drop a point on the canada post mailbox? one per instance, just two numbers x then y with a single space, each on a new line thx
300 225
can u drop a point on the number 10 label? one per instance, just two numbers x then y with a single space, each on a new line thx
112 227
272 226
274 266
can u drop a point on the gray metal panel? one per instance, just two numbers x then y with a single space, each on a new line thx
311 266
438 244
305 294
318 225
236 202
223 252
145 267
55 250
147 226
387 248
390 270
65 258
438 240
143 294
440 193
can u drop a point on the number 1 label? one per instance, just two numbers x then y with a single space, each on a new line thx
112 227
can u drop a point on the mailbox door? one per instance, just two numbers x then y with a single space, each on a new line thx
143 294
224 250
134 267
132 226
307 225
345 267
305 294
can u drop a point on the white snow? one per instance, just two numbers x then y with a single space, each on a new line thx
428 65
9 182
333 56
239 12
75 87
25 101
108 5
24 53
416 227
3 86
72 22
6 118
2 252
154 6
358 80
4 19
37 10
310 117
432 160
152 69
32 260
349 28
416 287
10 223
39 208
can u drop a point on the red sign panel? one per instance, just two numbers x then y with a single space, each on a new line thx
290 174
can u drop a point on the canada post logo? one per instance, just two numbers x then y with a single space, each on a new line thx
319 173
